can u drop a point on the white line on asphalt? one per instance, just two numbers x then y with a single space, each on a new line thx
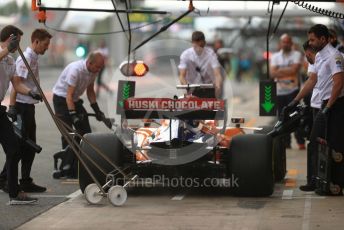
287 195
178 197
307 213
74 195
70 196
49 196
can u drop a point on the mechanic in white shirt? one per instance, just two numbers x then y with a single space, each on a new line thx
75 79
25 106
199 64
285 70
329 68
9 43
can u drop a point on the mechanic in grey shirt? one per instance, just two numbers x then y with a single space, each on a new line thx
9 38
25 106
75 79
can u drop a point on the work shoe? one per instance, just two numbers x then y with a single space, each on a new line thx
32 187
307 188
22 199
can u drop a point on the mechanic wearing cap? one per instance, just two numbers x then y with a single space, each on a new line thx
75 79
285 69
329 69
199 64
25 106
10 38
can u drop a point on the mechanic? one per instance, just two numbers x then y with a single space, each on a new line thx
199 64
315 103
75 79
285 70
329 69
25 106
334 41
10 38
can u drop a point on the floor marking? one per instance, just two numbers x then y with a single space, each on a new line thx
291 183
292 172
287 194
49 196
178 197
307 213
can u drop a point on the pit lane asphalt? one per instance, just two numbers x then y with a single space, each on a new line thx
204 208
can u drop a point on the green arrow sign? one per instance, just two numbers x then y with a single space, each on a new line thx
267 100
267 105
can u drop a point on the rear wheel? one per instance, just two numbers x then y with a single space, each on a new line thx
251 165
110 145
278 153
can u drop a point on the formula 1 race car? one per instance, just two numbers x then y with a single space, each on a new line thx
189 142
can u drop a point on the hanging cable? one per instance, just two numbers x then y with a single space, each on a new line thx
318 10
279 20
267 42
119 18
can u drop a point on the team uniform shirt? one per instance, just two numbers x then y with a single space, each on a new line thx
315 100
7 71
76 75
23 72
288 84
205 63
328 62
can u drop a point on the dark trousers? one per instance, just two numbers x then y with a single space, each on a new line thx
330 128
282 101
61 111
28 130
10 145
312 159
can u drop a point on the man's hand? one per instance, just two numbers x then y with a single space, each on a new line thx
291 106
13 44
76 120
35 95
325 111
99 114
12 113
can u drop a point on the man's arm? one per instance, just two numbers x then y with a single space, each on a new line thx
19 86
308 87
3 53
13 97
91 94
285 71
182 76
338 83
69 98
218 81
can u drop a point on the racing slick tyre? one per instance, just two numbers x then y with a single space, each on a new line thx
110 145
278 154
251 165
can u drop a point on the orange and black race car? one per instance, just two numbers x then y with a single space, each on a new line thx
188 138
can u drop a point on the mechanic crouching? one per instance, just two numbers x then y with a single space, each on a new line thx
75 79
329 122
